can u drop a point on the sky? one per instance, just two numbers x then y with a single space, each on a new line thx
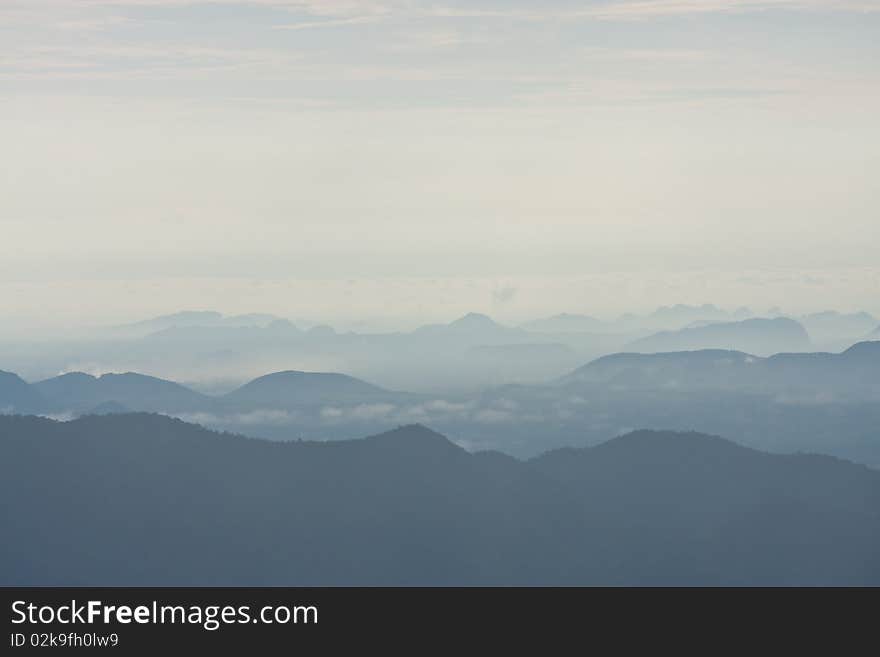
398 162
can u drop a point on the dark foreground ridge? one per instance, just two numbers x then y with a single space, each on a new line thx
142 499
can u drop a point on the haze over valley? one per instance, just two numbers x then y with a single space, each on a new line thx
517 389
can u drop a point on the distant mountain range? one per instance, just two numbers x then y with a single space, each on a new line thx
196 318
821 402
81 393
291 389
663 318
472 326
757 336
77 391
148 500
216 353
853 374
16 396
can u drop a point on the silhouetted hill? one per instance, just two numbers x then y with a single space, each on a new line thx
77 391
679 315
292 388
16 396
757 336
853 374
145 499
473 327
714 367
737 478
856 368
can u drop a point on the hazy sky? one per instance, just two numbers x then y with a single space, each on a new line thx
409 161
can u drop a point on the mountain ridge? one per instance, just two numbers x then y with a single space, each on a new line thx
191 506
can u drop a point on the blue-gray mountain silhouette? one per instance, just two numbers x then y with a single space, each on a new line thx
146 499
473 327
756 336
292 388
16 396
196 318
77 391
852 374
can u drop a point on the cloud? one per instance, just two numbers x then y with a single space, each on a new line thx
333 22
659 8
646 9
94 369
346 9
316 7
444 406
148 60
331 412
259 417
494 416
98 23
371 411
65 416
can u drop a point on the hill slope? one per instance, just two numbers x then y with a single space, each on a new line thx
853 374
16 396
144 499
77 391
293 388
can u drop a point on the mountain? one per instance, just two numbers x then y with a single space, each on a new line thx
194 319
757 336
852 374
708 367
664 317
292 388
145 499
674 317
831 325
81 392
855 370
16 396
472 327
227 334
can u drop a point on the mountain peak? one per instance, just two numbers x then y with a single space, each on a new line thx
862 349
10 376
76 376
411 436
293 386
299 375
474 321
651 439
